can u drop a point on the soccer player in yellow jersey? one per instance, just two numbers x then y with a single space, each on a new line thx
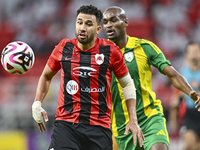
139 55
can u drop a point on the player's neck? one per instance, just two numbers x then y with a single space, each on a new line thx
86 46
121 42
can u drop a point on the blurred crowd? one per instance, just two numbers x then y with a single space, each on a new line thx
170 24
41 24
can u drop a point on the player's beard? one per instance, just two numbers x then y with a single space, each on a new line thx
87 40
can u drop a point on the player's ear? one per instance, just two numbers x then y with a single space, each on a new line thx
98 29
126 22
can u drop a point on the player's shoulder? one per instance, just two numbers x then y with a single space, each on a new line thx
134 42
113 48
60 46
147 45
63 42
105 42
145 42
139 41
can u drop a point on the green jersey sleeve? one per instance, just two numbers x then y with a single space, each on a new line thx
155 56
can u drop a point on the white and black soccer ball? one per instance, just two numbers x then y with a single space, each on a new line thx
17 58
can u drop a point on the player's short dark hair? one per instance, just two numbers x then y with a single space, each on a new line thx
191 43
91 10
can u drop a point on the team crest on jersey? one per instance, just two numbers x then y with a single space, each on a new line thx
129 56
99 58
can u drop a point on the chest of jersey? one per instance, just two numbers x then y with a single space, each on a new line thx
83 64
137 62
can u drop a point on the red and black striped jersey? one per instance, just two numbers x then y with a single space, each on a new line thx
84 95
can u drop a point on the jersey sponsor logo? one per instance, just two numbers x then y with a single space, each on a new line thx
161 132
72 87
89 90
84 72
129 56
99 58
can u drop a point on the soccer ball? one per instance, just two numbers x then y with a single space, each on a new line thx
17 58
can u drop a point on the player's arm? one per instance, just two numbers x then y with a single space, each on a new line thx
181 83
129 93
43 86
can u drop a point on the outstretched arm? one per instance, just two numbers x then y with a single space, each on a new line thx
43 86
181 83
128 88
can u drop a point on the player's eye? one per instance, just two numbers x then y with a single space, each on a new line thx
114 20
89 24
79 22
105 22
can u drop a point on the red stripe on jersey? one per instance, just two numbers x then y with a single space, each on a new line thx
94 95
84 95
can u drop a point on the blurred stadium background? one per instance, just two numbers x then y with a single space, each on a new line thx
42 24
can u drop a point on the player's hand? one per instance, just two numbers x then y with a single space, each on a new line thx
196 97
38 112
133 127
197 102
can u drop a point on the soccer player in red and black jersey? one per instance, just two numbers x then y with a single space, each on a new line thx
84 99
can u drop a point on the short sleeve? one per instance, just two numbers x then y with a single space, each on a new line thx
156 57
118 64
55 57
